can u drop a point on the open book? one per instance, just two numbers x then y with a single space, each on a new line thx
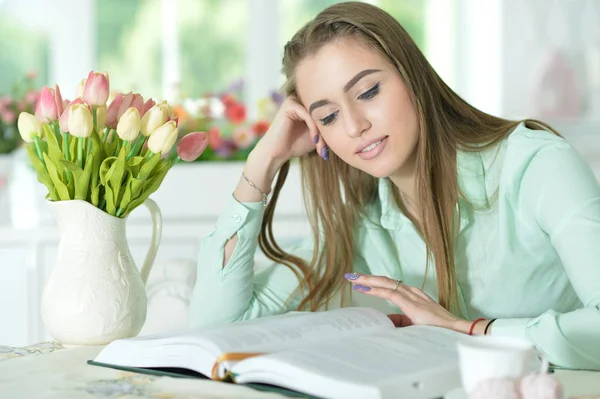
342 353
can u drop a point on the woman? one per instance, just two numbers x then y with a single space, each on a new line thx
458 218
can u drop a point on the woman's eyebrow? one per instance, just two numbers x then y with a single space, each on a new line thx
347 87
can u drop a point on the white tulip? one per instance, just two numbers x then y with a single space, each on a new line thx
80 120
129 123
154 118
29 126
162 139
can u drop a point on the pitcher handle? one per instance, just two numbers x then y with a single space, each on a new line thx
155 242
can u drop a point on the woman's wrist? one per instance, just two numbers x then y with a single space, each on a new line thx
258 175
476 327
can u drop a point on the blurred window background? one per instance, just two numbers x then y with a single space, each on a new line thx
163 48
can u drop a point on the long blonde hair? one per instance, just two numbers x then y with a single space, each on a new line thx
446 123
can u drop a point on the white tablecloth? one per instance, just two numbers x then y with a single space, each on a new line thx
50 371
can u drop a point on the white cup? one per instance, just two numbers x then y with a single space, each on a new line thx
486 357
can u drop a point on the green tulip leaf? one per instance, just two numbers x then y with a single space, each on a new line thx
41 172
105 170
148 167
83 180
110 203
116 178
59 185
95 195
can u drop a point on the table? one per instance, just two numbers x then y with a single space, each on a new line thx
51 371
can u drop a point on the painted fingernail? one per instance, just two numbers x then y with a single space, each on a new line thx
325 153
316 139
366 288
358 287
351 276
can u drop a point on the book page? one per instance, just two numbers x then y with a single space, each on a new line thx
380 364
199 348
285 331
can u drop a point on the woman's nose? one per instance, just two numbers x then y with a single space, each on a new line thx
356 123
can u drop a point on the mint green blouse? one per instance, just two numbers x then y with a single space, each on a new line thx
531 259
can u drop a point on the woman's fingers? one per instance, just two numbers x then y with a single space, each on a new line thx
364 281
371 281
320 146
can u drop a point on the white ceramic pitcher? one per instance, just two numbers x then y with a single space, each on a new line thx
95 293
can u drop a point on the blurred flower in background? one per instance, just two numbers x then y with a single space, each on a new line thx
22 98
231 134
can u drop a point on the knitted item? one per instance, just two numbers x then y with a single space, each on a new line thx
532 386
540 386
497 388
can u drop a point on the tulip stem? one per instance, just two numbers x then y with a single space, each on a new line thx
106 131
95 118
56 130
80 141
65 142
136 147
38 149
89 148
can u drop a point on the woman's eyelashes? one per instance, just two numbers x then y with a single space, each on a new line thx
329 119
367 95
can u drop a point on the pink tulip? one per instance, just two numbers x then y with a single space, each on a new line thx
192 145
50 104
138 102
125 104
63 122
78 100
147 105
58 99
96 90
112 115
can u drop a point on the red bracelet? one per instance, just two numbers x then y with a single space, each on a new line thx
473 325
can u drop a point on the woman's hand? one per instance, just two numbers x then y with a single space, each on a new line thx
292 133
418 307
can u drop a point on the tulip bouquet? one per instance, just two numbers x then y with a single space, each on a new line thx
111 156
